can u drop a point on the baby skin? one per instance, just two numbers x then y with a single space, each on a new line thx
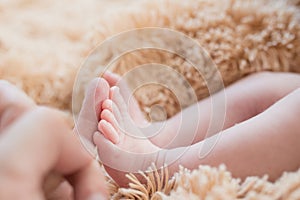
260 134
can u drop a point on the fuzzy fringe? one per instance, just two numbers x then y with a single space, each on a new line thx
207 183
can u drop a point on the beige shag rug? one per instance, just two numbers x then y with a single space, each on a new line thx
43 43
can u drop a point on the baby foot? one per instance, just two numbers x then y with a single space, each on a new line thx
122 148
88 118
134 109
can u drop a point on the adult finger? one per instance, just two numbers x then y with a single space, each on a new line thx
39 143
88 118
13 104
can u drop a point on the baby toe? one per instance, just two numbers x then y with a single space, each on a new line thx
107 104
109 131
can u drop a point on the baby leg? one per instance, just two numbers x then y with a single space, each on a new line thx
244 99
266 144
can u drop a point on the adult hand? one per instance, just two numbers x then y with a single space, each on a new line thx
40 157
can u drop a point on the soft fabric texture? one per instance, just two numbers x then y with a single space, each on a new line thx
44 43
